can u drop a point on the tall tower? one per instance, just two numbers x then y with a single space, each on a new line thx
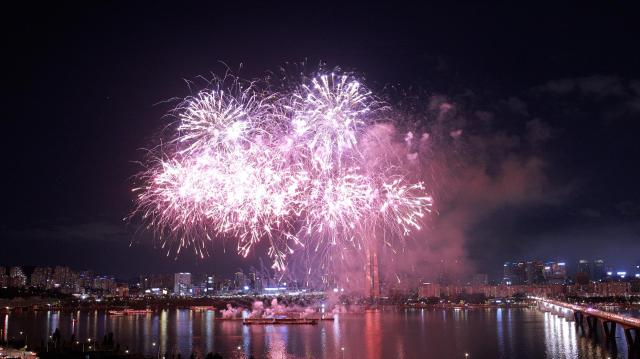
371 270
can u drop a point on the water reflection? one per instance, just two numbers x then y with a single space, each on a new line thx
563 340
373 335
502 333
5 327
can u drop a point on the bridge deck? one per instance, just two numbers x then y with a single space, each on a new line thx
601 314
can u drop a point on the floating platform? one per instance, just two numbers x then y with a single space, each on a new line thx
270 321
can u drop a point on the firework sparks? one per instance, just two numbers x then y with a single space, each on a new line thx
279 166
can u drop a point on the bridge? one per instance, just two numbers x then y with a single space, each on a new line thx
589 320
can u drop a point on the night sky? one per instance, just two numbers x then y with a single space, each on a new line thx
553 90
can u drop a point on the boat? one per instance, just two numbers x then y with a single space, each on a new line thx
269 321
202 308
130 311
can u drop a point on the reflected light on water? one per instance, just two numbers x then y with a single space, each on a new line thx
496 333
373 335
276 336
562 340
5 327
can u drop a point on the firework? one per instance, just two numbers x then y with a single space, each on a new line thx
282 166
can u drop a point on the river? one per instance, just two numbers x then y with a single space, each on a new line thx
411 333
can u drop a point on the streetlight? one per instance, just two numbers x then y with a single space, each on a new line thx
342 349
466 355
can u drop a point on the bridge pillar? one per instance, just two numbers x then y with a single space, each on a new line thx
609 330
633 338
579 317
592 324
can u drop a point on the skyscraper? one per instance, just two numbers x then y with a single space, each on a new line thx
239 280
182 283
372 279
41 277
4 278
555 272
583 274
17 278
584 267
514 273
534 272
599 270
210 284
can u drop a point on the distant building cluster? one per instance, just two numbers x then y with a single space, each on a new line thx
539 272
60 279
592 278
64 280
197 285
588 278
534 272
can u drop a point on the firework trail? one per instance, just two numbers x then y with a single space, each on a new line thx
255 164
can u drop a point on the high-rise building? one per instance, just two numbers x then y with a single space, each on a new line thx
182 283
144 282
514 273
534 272
162 281
105 284
17 278
599 271
239 280
259 286
584 267
372 272
555 272
583 274
4 278
85 279
251 279
121 290
429 290
42 278
65 279
210 284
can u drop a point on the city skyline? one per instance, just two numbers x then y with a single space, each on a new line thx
543 127
534 271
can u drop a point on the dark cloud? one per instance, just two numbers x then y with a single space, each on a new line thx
538 131
612 97
517 106
590 212
629 209
599 86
